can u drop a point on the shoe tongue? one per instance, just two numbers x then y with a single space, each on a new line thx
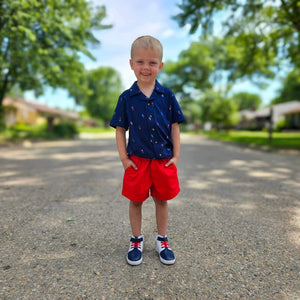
137 239
162 236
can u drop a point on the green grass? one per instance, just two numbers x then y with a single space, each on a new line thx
95 129
21 132
280 140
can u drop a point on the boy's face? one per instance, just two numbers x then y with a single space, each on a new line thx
146 64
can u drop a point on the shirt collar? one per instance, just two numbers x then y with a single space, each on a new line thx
158 88
134 90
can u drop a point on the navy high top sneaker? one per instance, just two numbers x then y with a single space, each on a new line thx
134 256
166 254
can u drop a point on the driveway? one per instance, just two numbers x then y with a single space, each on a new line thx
64 229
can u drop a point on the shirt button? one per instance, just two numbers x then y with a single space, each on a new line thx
153 129
150 116
156 142
148 103
159 154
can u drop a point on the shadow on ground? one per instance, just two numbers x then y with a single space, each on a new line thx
64 226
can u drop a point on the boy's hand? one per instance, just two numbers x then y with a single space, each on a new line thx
172 161
127 163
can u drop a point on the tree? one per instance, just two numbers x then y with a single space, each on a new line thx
192 112
245 100
194 74
104 87
15 91
41 42
262 32
195 69
217 109
290 88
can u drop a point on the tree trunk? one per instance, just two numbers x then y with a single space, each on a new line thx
50 124
3 90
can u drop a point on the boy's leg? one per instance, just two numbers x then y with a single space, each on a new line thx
134 256
166 254
162 212
135 216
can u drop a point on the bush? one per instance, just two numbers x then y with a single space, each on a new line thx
65 130
282 124
2 125
2 121
21 127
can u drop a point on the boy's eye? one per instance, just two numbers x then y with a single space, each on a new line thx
153 63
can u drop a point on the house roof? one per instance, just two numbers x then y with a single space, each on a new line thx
293 111
247 113
8 101
278 109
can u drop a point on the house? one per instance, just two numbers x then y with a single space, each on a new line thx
247 119
293 117
18 110
261 118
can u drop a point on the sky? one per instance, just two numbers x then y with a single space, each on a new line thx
131 19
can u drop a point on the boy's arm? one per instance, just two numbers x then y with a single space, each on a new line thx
175 135
121 145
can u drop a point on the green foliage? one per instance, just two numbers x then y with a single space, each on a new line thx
192 78
21 131
290 88
2 122
260 33
255 138
195 69
282 124
41 42
217 109
19 127
96 130
104 87
65 130
192 111
15 91
256 36
245 100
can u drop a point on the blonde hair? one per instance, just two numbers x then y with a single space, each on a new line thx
147 41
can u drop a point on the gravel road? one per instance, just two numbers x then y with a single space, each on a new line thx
64 229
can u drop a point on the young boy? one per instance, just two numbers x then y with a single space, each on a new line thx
151 113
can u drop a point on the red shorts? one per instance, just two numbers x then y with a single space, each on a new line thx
153 176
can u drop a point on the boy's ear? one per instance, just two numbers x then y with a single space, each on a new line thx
161 66
131 63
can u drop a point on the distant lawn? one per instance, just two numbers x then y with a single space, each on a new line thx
280 140
23 132
95 129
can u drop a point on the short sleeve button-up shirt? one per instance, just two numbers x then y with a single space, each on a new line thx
149 121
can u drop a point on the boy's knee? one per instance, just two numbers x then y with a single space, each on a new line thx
136 204
160 202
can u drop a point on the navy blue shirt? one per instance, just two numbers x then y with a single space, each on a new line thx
149 121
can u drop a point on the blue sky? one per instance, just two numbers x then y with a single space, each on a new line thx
131 19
